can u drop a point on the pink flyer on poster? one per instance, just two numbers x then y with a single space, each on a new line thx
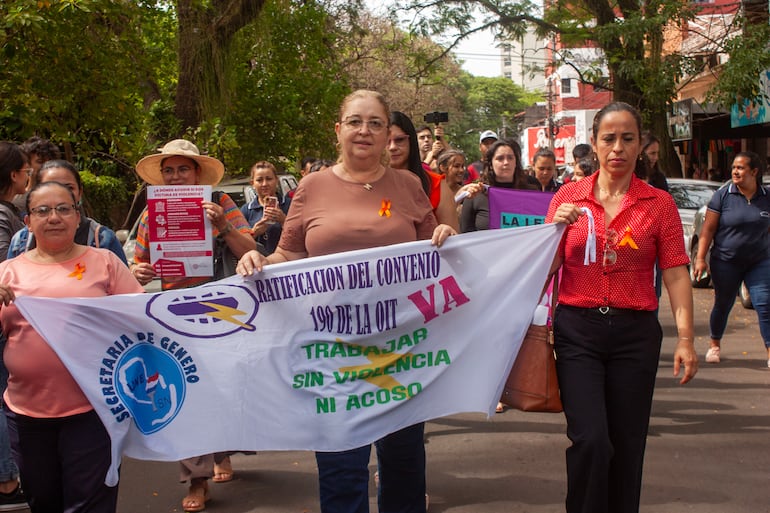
179 233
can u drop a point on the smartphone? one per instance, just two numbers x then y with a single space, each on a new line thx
272 202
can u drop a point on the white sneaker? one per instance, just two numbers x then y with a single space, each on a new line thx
712 355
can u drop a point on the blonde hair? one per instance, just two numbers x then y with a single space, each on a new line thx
363 94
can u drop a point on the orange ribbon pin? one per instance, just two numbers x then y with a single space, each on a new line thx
385 208
627 240
78 272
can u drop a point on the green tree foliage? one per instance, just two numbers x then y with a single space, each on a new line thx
739 77
105 197
414 73
622 38
288 84
112 80
492 104
77 72
630 34
493 98
206 31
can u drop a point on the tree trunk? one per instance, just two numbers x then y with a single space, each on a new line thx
205 34
668 159
187 91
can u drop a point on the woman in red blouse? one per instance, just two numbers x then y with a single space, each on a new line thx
606 333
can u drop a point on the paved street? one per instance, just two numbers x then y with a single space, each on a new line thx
708 450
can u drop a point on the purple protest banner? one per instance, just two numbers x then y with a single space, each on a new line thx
512 208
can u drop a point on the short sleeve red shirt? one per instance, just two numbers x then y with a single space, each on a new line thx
647 227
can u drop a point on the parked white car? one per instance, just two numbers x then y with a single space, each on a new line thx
690 196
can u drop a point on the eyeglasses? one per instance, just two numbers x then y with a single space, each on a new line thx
374 125
181 170
401 140
44 211
610 242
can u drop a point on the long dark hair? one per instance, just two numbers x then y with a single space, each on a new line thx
641 167
545 153
648 140
63 164
519 179
11 159
414 164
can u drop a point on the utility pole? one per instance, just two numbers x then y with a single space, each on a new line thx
549 113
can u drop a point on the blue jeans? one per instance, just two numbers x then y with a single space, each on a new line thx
8 470
344 476
727 278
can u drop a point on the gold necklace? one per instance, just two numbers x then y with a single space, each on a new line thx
613 194
368 186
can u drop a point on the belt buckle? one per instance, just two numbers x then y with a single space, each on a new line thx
604 310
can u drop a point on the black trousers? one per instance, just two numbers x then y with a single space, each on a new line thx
63 463
606 363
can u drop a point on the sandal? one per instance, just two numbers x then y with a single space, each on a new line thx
223 472
500 408
196 497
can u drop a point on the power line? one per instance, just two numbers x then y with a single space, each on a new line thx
517 57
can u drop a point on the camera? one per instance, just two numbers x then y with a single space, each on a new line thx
436 117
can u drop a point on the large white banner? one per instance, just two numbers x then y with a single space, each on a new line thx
325 354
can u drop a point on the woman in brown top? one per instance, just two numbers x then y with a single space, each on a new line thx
346 210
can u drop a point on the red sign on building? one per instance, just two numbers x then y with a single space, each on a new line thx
563 143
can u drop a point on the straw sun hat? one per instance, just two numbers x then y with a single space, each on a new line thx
212 169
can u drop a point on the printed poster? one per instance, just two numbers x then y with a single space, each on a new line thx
179 233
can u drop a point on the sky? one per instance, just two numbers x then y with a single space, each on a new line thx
481 57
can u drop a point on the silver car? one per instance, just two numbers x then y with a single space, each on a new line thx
690 196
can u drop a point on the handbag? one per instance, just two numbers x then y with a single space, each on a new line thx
224 259
532 384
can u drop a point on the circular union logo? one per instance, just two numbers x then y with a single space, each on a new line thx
151 384
205 312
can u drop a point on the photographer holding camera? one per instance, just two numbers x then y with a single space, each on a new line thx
430 147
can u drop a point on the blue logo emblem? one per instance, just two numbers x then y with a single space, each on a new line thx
205 312
151 384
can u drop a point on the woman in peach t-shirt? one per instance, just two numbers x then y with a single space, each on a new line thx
346 208
52 425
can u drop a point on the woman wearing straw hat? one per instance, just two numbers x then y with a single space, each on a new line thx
180 163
